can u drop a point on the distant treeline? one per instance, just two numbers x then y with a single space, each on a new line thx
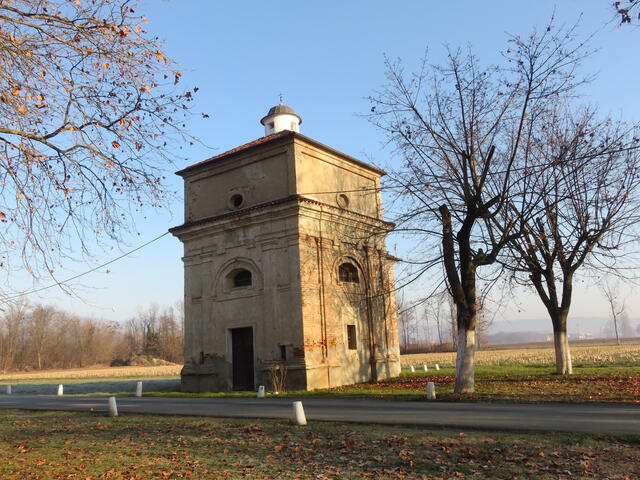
34 337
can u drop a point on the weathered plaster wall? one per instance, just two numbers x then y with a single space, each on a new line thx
325 177
332 233
259 177
293 248
271 305
329 305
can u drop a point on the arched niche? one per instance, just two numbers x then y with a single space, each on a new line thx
348 271
238 277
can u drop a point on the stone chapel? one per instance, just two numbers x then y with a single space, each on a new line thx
285 265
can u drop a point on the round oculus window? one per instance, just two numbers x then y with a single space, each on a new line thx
342 200
236 200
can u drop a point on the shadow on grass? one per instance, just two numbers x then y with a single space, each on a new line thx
521 384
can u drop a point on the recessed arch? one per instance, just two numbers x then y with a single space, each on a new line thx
238 276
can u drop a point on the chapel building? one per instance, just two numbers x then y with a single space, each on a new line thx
286 268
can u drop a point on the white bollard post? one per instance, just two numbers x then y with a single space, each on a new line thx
139 389
412 369
113 407
60 390
426 369
261 391
437 367
8 389
298 414
431 391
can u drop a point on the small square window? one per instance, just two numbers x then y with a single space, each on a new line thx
352 342
348 273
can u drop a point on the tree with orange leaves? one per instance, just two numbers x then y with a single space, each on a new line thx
90 111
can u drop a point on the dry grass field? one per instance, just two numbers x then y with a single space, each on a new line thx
96 373
587 354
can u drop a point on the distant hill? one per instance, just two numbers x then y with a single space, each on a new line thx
540 330
518 337
592 325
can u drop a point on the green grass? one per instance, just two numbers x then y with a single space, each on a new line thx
55 445
510 383
500 383
489 370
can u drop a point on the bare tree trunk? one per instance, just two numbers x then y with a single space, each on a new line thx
563 353
610 293
561 344
465 361
427 329
614 315
463 291
452 323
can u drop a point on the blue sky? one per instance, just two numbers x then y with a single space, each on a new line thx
325 58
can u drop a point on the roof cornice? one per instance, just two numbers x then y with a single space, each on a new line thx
245 211
270 140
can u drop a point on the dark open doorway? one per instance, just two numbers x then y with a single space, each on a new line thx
242 358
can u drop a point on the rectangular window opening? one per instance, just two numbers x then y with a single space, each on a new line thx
352 343
283 353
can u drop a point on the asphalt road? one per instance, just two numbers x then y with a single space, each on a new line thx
612 419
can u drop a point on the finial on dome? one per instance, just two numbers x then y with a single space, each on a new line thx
280 117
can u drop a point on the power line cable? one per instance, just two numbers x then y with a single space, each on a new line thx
70 279
75 277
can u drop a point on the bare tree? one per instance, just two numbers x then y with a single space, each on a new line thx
40 330
170 335
434 309
406 325
88 115
43 337
616 306
441 308
620 324
13 335
485 320
156 332
462 131
589 214
428 334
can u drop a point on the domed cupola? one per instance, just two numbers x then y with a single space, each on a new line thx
281 117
